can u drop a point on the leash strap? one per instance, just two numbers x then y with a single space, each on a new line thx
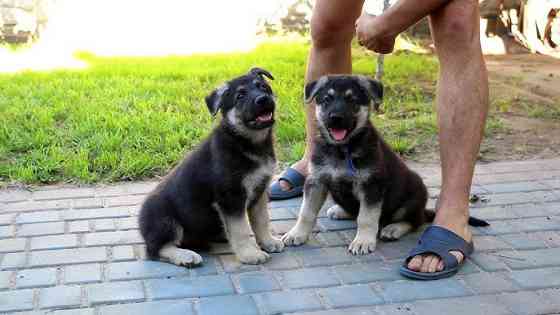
350 165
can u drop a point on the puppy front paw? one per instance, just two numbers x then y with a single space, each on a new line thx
253 256
362 245
295 237
186 258
272 245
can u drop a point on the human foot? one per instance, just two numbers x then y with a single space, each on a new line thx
301 167
429 263
290 182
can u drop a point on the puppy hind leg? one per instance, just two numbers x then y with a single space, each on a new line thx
395 231
336 212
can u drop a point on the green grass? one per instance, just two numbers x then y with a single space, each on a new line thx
133 118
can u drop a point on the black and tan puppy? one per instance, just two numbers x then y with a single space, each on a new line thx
219 189
350 160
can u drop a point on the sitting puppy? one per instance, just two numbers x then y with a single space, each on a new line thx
352 162
219 188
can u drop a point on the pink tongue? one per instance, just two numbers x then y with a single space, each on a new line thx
338 134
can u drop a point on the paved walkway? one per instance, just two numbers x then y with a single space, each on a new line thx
78 251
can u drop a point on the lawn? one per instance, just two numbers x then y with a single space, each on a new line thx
134 118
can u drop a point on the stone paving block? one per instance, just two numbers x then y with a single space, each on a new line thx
537 278
209 266
54 242
100 213
5 277
77 311
87 203
60 296
159 289
403 291
113 238
30 278
7 219
121 253
16 300
254 282
38 217
523 186
78 226
143 269
288 203
282 261
483 305
552 296
12 245
324 256
547 257
350 296
102 225
487 283
331 239
490 243
115 292
366 273
523 241
13 260
149 308
526 303
327 224
288 301
30 206
347 311
36 229
551 238
6 231
129 223
128 200
79 274
308 278
489 261
231 305
283 214
68 256
9 196
551 183
62 193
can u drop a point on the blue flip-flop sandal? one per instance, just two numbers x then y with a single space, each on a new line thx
439 241
296 181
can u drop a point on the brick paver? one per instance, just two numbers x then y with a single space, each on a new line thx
77 250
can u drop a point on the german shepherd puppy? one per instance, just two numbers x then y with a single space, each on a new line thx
350 160
219 188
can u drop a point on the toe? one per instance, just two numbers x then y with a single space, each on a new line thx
458 256
415 263
433 264
426 263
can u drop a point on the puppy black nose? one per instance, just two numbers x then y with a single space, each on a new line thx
336 117
263 100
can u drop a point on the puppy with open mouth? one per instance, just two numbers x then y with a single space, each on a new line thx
350 160
219 188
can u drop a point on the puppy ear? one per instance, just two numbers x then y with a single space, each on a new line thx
312 88
214 100
374 89
261 72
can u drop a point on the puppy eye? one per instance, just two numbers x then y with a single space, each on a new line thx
327 98
241 94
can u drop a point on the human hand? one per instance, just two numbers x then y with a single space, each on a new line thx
373 34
